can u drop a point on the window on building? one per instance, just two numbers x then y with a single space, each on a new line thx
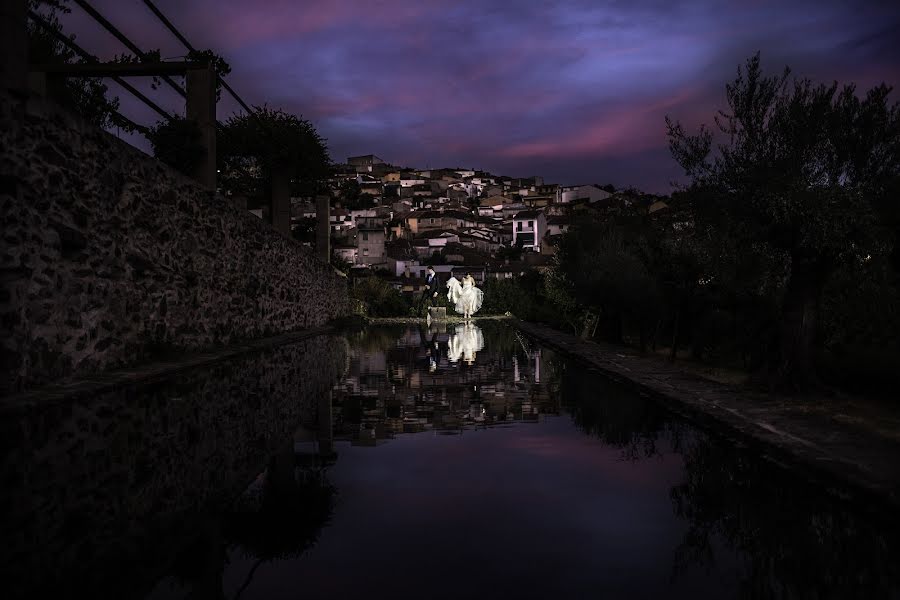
365 236
519 225
365 251
530 224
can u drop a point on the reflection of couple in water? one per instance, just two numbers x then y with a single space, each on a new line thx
464 343
432 348
464 296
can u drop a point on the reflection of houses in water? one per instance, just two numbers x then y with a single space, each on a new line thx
440 379
529 366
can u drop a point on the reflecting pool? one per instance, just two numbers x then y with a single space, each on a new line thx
464 461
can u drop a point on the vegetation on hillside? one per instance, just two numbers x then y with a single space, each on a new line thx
782 250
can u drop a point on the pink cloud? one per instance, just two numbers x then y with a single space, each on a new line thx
627 130
245 23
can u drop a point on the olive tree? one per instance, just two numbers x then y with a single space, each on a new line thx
801 174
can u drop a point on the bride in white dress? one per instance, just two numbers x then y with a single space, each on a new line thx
470 297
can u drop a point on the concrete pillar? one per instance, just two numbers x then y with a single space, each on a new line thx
326 425
13 47
323 228
201 107
280 202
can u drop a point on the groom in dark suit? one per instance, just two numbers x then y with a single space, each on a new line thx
430 295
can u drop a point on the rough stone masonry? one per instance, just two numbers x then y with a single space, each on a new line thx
110 257
157 450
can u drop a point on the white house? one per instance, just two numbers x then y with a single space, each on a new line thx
438 239
529 226
468 187
479 238
409 180
557 225
363 213
591 193
340 220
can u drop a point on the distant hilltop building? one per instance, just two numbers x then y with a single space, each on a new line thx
367 160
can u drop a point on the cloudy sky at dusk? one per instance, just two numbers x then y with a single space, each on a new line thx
575 91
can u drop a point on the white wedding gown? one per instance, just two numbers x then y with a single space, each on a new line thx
454 289
470 298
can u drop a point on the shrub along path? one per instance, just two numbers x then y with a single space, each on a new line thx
849 445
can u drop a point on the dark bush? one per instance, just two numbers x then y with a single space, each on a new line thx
380 298
178 144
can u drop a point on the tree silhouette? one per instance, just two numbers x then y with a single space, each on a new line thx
800 178
287 520
253 146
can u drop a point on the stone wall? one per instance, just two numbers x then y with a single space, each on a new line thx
99 491
109 257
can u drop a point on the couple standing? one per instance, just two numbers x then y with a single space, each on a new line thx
465 298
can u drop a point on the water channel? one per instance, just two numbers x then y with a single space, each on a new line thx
442 461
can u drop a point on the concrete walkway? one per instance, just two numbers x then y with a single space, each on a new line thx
835 442
144 372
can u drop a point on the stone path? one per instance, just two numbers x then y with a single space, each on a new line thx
451 318
142 373
833 442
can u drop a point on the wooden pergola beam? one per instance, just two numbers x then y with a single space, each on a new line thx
201 97
90 58
190 48
90 10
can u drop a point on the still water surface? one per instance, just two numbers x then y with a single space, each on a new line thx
467 462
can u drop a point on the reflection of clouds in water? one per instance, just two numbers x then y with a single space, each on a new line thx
464 343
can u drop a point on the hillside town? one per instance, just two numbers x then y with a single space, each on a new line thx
394 221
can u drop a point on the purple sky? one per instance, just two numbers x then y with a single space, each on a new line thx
574 91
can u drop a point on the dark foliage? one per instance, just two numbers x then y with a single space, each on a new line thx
178 143
86 96
253 146
380 298
803 179
780 257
